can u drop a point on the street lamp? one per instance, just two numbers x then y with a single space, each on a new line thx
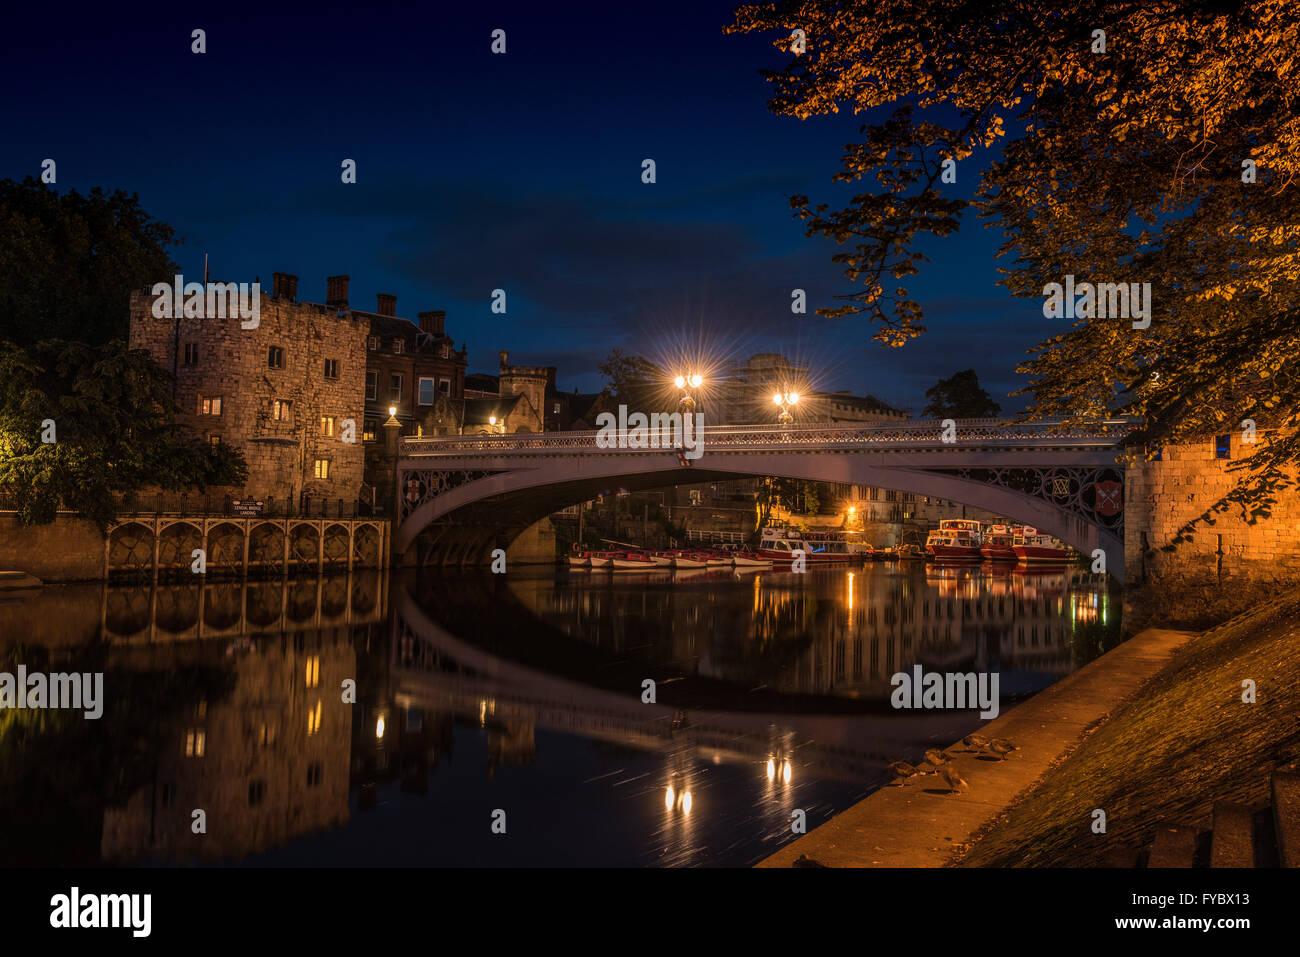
686 404
785 400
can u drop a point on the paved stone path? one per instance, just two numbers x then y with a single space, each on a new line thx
922 824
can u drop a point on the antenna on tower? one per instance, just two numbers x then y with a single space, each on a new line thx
205 269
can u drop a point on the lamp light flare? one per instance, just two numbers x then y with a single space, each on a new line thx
392 410
680 382
696 381
794 398
771 765
669 798
776 399
785 772
686 803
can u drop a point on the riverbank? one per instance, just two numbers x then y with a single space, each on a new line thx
1187 741
923 823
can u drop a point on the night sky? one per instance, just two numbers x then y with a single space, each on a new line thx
477 171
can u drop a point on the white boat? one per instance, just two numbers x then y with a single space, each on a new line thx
748 560
631 560
579 561
684 559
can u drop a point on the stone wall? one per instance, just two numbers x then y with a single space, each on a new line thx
1225 566
233 364
67 549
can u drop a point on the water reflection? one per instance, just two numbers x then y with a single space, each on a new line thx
472 694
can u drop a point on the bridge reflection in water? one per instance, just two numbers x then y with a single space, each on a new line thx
770 699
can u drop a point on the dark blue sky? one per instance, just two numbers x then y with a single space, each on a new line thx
478 171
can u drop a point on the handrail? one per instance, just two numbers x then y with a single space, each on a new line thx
918 432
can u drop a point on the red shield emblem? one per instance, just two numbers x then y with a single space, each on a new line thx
1109 498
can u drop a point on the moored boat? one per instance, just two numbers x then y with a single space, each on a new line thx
750 560
954 540
998 542
1031 546
683 558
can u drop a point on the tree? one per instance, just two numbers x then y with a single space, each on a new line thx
109 413
68 263
1140 142
636 382
959 397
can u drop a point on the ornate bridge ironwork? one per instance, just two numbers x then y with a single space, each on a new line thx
1060 477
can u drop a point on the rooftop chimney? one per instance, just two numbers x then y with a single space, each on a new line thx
432 321
336 291
505 359
387 304
284 286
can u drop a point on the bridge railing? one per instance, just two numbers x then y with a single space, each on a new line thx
919 433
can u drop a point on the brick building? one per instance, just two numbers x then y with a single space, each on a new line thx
288 393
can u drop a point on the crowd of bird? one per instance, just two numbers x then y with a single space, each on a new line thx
940 762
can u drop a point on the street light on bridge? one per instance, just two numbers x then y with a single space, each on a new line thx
785 400
686 404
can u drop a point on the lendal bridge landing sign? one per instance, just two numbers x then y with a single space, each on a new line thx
1064 480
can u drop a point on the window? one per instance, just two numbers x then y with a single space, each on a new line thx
426 391
557 408
327 426
331 368
444 387
372 343
395 386
313 671
191 354
275 358
195 740
1222 446
397 347
446 351
313 775
372 385
214 440
322 468
280 409
256 791
368 430
313 720
209 405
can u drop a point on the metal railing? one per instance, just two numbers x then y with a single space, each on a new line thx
921 433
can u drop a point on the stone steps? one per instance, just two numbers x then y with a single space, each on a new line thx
1239 836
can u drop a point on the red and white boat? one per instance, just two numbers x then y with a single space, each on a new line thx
998 542
638 561
601 559
956 539
750 560
780 544
662 559
1031 546
683 558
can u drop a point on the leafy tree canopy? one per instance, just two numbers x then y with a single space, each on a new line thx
68 263
110 412
638 383
1170 159
960 397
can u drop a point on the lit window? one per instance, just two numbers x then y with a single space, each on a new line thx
280 409
214 440
331 368
313 671
195 742
209 405
368 430
313 720
327 426
322 468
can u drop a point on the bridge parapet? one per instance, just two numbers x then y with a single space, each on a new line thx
916 434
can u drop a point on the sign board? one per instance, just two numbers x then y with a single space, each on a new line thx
246 509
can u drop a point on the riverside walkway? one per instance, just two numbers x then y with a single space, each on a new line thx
923 824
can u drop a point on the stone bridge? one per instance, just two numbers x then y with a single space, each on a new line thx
461 496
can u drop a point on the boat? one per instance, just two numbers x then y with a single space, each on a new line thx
580 561
632 560
682 558
909 552
780 544
1032 546
716 559
750 560
998 541
16 580
956 539
662 559
602 559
